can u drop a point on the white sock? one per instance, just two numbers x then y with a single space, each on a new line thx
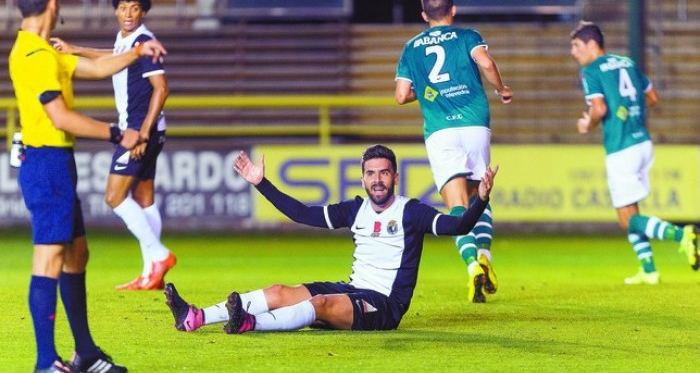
292 317
215 314
147 263
156 223
135 219
154 219
253 302
485 252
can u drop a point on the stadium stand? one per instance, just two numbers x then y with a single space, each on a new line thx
359 59
235 60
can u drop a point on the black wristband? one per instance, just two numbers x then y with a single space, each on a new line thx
115 134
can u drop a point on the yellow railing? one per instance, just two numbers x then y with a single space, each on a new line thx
324 128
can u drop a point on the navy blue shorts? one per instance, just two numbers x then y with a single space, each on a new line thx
144 168
48 178
372 310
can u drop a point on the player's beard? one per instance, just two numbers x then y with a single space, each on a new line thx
383 200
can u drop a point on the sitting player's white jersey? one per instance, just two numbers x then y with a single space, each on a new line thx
132 89
388 245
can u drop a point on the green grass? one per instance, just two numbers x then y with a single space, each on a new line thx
561 307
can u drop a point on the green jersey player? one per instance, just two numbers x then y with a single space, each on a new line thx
441 68
618 93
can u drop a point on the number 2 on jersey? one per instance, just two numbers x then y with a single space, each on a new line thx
435 76
626 87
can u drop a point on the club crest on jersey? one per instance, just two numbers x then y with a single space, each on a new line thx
393 227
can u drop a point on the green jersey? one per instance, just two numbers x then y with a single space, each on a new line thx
445 78
623 87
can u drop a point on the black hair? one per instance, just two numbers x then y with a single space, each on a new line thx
30 8
437 9
587 31
378 151
145 4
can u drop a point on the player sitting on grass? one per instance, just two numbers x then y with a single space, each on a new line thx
388 232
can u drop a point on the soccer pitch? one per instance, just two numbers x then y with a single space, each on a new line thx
561 307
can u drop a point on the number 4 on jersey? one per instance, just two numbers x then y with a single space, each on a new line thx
626 87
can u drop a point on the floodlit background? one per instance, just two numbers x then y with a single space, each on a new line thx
310 84
318 78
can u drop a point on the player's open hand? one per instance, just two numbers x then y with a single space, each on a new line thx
487 182
152 48
252 173
129 139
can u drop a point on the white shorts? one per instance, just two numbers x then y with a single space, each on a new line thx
459 152
628 174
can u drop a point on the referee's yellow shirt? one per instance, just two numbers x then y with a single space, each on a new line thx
36 68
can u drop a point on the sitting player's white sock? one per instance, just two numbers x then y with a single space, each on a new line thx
287 318
253 302
215 314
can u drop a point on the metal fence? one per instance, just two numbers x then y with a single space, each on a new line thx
323 128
